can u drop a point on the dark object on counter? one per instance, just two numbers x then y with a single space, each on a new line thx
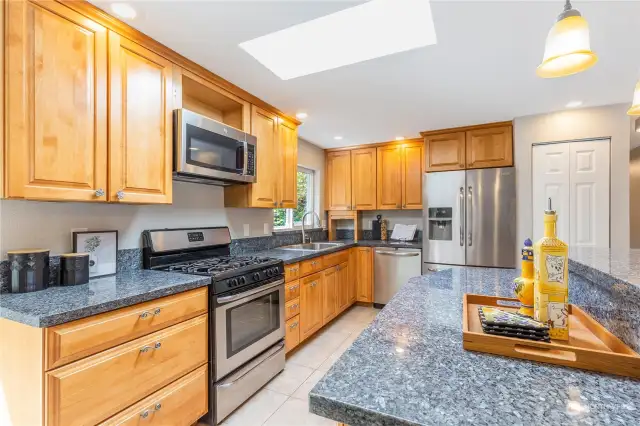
29 270
375 228
511 324
74 268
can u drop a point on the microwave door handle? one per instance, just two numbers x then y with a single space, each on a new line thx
245 168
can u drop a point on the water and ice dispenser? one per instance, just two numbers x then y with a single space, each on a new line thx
441 223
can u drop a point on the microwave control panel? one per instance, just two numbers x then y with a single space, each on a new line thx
251 160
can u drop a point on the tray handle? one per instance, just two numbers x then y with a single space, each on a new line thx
565 355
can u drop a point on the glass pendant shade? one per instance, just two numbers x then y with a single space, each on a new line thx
635 108
567 50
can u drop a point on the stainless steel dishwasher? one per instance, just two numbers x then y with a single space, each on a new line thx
392 269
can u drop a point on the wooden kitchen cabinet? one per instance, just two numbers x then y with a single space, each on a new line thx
389 177
140 116
329 294
412 175
342 284
445 152
292 333
311 302
363 170
353 277
338 180
288 173
364 262
56 106
490 147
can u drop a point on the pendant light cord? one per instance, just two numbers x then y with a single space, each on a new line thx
567 6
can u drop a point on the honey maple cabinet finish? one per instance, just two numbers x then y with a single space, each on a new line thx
310 266
292 333
445 152
178 404
491 147
364 262
363 170
95 388
334 259
77 339
353 277
288 172
292 308
291 290
140 114
310 304
329 294
343 275
291 272
390 177
412 175
338 180
56 110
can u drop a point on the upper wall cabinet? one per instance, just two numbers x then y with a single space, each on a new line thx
140 113
56 116
412 175
338 180
363 171
491 147
288 175
445 152
390 177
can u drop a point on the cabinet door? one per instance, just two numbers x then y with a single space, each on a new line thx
352 276
264 126
365 274
329 294
56 106
363 169
492 147
310 305
412 171
140 112
343 286
390 177
292 333
445 152
338 181
288 174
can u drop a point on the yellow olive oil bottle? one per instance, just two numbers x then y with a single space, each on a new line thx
551 279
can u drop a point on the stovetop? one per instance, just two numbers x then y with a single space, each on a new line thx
217 265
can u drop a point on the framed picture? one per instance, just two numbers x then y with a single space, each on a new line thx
102 247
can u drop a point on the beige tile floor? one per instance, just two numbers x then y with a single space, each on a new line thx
284 401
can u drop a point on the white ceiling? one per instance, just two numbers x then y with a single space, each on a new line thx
481 70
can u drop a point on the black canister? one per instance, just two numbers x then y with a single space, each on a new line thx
375 228
29 270
74 268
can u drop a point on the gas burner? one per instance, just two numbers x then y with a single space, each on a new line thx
218 265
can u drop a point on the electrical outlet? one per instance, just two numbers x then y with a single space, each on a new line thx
369 224
247 229
324 223
267 229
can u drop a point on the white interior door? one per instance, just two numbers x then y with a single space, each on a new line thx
589 194
551 180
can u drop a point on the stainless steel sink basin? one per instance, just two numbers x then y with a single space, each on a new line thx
312 246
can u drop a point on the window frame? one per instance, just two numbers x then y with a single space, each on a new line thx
290 225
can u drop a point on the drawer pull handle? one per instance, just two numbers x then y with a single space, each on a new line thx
294 325
144 414
144 315
158 345
293 287
313 284
157 311
147 348
157 407
293 306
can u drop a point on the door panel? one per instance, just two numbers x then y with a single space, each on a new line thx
288 143
365 274
338 180
329 294
141 124
353 275
310 305
363 165
56 103
412 171
343 286
390 177
445 152
490 213
551 177
589 195
492 147
264 126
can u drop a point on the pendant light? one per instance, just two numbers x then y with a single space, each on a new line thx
567 50
635 108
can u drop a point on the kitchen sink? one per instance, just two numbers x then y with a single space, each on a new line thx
313 246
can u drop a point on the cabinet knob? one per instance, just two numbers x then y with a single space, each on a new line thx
157 407
120 194
99 192
144 414
461 166
275 204
157 311
404 206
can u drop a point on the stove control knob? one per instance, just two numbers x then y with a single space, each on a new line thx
275 271
234 282
243 280
269 272
256 276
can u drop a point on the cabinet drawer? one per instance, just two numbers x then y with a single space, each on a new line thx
292 308
291 290
334 259
292 334
291 272
310 266
181 403
95 388
75 340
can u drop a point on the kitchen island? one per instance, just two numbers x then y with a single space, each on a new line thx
409 368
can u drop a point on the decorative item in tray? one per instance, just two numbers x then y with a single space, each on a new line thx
511 324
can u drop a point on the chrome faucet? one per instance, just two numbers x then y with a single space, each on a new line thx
304 238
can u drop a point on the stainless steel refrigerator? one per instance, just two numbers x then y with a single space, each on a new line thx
470 218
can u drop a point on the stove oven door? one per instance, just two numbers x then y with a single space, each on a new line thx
247 324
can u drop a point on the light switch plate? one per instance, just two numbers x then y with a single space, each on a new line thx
246 229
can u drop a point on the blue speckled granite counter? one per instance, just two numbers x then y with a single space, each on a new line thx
409 368
57 305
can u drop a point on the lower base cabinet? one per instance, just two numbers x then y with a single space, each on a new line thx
310 305
364 274
292 333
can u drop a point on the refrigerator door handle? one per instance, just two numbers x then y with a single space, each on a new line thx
470 207
460 209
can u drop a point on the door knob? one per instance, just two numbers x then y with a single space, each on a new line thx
120 194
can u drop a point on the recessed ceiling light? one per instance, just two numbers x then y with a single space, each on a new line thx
399 138
370 30
123 10
301 115
574 104
338 138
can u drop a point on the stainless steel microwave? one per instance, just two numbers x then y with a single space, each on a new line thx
210 152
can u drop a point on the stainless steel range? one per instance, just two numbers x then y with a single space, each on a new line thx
246 309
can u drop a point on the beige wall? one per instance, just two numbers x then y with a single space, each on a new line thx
607 121
634 197
312 157
28 224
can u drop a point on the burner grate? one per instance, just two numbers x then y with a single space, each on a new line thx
217 265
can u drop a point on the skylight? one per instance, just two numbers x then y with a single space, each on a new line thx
367 31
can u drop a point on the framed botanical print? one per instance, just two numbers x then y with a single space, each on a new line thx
102 247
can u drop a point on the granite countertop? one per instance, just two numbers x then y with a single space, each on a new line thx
409 368
293 256
57 305
621 265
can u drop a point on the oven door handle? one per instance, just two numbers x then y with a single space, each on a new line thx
256 363
227 299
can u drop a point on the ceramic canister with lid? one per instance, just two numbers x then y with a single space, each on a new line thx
29 270
74 268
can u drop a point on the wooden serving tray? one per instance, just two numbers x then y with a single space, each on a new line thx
590 345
